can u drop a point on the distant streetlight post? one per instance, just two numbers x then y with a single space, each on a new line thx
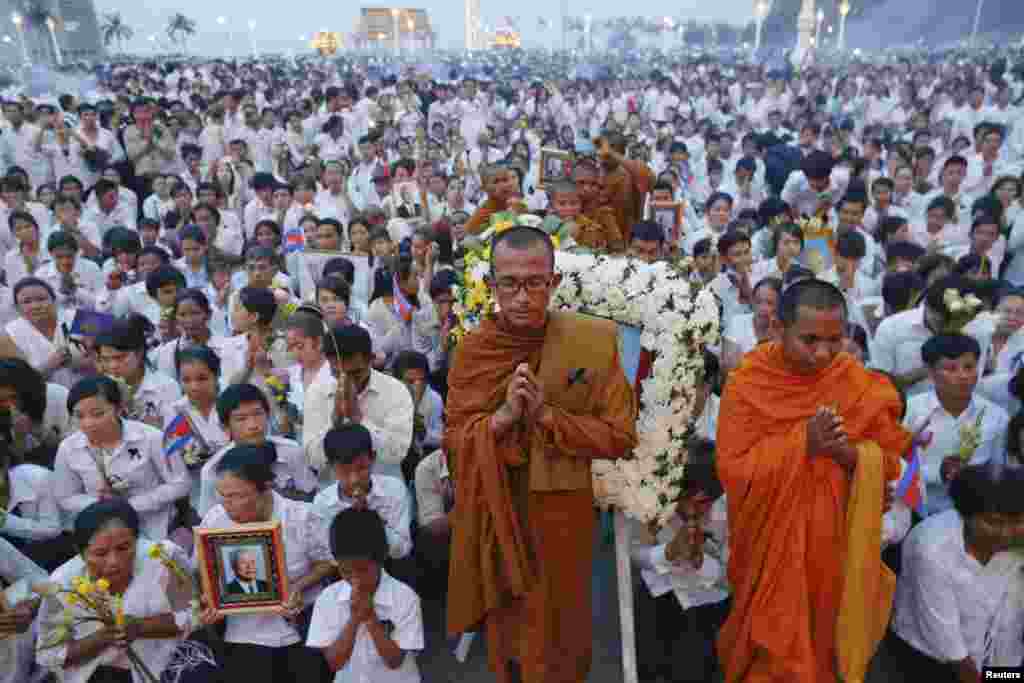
977 22
844 11
394 17
760 13
19 23
51 26
252 37
817 28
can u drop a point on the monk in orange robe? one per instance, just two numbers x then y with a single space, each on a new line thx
793 422
626 181
503 194
533 398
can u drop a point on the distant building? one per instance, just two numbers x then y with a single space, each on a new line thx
75 29
377 26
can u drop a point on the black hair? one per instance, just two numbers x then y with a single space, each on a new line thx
730 239
359 534
647 231
342 267
901 290
254 464
337 285
791 229
259 300
123 239
812 293
948 347
935 298
310 324
31 282
197 354
163 275
851 245
61 239
29 385
126 334
98 516
520 238
194 233
344 443
350 340
700 475
237 394
159 252
410 360
196 296
1013 441
100 385
21 215
990 487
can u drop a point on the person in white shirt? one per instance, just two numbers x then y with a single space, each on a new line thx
814 189
110 457
368 625
787 244
268 647
29 254
940 417
732 286
350 454
413 369
896 346
77 281
110 209
959 605
683 569
746 331
244 411
157 610
17 635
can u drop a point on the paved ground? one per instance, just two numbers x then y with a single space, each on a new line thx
438 665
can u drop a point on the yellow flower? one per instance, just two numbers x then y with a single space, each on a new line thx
119 611
73 599
556 241
86 586
502 226
274 382
103 585
156 551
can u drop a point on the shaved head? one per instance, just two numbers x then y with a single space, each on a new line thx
810 293
522 238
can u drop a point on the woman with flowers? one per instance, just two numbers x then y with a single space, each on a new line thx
119 611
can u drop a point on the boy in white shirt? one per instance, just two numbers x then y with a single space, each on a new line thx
368 625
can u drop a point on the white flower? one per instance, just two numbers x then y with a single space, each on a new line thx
972 301
529 220
956 306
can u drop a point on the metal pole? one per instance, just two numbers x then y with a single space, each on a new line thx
977 22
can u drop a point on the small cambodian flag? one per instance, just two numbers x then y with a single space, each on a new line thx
177 435
909 488
294 240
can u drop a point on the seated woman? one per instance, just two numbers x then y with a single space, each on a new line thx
158 616
267 648
959 602
122 355
18 610
32 412
112 457
192 315
245 412
39 335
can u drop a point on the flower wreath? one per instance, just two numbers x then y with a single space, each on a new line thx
676 322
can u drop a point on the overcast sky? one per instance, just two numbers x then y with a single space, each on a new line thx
278 25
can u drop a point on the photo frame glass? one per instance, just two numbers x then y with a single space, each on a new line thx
669 215
556 165
242 568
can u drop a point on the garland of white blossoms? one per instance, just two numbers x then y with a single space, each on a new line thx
677 322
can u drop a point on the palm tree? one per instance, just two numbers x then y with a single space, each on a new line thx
180 28
114 30
41 21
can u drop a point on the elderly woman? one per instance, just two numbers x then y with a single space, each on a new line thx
39 336
158 614
265 648
113 458
959 602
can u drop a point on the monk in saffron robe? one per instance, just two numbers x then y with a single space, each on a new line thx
504 193
808 440
533 397
626 182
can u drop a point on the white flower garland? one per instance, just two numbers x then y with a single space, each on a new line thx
677 322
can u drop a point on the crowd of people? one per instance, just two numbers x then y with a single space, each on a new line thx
269 253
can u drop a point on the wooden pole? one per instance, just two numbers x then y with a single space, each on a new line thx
627 617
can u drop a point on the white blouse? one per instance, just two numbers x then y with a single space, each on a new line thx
949 606
154 590
138 468
300 552
16 652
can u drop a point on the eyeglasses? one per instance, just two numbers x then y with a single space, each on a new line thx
509 286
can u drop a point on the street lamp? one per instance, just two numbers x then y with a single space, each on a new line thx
844 10
252 37
587 31
19 23
817 27
51 26
669 26
977 22
394 17
761 13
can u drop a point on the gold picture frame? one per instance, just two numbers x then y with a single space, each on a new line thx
669 215
553 166
256 549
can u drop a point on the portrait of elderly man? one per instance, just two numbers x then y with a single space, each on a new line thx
245 567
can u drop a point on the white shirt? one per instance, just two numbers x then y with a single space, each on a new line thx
153 591
692 587
209 428
232 352
290 471
944 430
388 497
431 476
138 468
300 552
896 346
32 512
387 410
17 652
393 602
949 606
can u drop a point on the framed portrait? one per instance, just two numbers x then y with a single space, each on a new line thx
669 215
312 269
555 165
242 568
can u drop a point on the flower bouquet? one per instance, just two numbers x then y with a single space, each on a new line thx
960 310
89 602
970 438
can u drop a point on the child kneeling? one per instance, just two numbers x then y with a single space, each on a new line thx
368 625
